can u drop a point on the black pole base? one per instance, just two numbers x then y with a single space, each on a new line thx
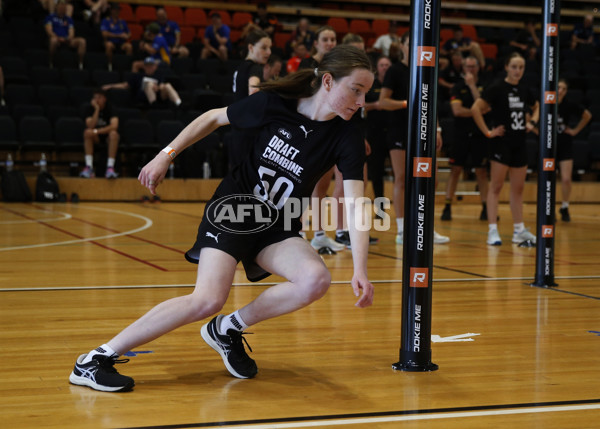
414 367
543 284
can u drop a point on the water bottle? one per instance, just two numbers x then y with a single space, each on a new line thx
171 171
9 163
43 163
206 170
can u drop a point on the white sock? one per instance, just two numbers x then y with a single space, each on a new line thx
89 161
493 226
564 205
519 227
339 232
400 224
319 233
110 162
233 321
104 350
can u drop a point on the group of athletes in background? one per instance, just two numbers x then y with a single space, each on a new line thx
492 118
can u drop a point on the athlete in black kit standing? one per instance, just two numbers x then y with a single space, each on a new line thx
245 82
567 111
301 130
470 148
508 101
394 97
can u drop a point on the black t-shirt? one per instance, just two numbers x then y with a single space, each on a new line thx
244 72
308 63
451 75
567 111
104 115
376 119
397 79
461 93
290 152
509 104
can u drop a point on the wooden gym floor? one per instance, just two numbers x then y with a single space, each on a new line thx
73 275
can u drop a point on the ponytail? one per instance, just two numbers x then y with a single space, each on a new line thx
340 62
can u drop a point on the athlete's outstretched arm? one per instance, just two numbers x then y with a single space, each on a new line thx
154 172
356 215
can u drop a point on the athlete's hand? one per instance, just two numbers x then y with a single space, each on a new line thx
154 172
570 131
498 131
361 283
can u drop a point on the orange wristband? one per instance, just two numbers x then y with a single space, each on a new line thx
489 135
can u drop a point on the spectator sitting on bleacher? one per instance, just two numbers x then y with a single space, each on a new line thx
50 6
301 35
148 86
154 45
388 44
172 33
116 34
216 39
61 32
261 20
583 33
101 125
300 53
272 68
527 41
94 9
462 44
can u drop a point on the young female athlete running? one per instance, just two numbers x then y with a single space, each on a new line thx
300 129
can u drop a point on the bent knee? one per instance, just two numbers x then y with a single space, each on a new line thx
315 284
203 307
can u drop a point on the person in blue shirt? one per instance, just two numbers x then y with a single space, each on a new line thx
116 34
154 45
172 33
61 32
583 33
216 39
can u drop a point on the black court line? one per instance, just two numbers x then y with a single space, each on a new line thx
370 415
454 270
555 289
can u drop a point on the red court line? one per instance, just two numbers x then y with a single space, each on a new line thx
118 232
83 238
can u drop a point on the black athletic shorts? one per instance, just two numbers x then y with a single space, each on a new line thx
242 246
564 149
396 139
508 152
469 150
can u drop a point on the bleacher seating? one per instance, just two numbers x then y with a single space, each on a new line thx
56 92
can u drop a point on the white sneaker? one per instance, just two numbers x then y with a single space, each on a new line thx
439 238
324 241
400 238
519 237
494 238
